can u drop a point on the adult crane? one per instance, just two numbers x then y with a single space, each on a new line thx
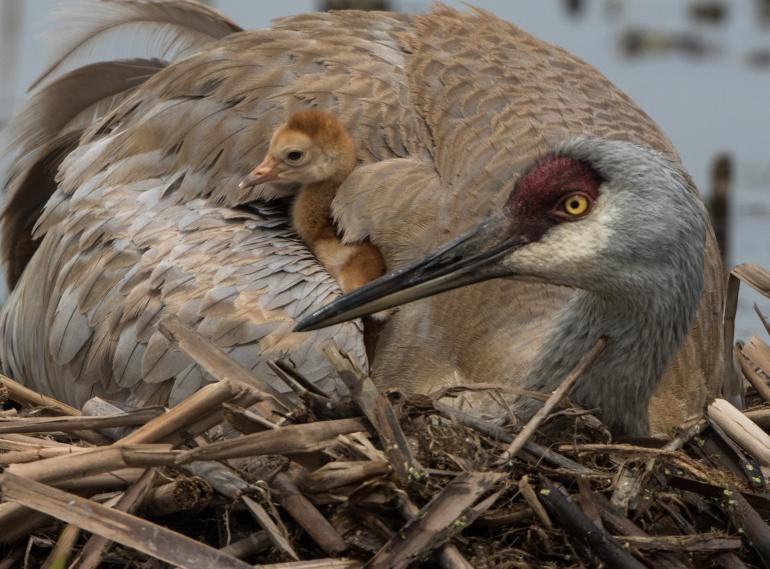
123 205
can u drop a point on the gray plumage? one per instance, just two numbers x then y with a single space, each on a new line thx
640 289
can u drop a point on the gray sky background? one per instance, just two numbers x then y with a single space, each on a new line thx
705 105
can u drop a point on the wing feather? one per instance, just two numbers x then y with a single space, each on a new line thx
178 25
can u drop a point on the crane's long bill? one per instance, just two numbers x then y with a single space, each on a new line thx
470 258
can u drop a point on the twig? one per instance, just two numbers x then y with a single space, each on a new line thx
621 525
490 430
314 564
629 483
30 398
689 543
530 497
553 400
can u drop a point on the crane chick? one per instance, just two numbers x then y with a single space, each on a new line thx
313 148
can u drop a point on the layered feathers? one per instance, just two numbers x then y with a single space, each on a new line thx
446 109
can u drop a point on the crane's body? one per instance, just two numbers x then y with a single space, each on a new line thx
447 111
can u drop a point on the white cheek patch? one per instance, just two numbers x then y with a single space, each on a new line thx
567 246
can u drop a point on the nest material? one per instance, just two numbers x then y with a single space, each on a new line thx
240 474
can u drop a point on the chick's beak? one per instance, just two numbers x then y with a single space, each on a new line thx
267 171
473 257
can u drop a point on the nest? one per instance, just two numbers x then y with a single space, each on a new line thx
239 474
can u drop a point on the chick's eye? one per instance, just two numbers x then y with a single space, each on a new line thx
575 205
294 155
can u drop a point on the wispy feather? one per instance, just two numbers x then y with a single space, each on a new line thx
168 29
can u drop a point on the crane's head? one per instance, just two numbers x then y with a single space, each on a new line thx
311 146
606 216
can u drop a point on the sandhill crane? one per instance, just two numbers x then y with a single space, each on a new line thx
610 218
112 223
313 148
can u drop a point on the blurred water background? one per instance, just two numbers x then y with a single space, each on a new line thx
700 68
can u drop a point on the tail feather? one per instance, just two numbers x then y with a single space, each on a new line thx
73 93
30 192
172 27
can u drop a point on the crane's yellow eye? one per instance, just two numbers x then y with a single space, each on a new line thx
575 205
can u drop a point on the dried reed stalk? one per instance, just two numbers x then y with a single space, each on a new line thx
94 461
72 424
445 515
291 439
760 416
757 278
26 396
741 429
25 442
750 523
248 546
688 543
128 530
61 552
202 402
105 482
97 545
220 365
752 373
305 513
576 523
449 557
380 413
38 454
274 534
343 473
179 495
530 497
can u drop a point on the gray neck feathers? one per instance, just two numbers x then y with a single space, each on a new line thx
644 333
644 301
